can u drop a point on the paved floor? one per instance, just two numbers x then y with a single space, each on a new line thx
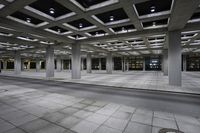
29 110
132 79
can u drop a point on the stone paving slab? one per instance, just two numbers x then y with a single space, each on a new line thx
50 114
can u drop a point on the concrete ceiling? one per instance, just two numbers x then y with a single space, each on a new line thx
124 27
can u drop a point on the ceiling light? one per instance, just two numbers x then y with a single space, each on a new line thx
28 20
51 10
111 18
153 9
80 25
154 23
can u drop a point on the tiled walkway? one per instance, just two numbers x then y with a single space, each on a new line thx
132 79
26 110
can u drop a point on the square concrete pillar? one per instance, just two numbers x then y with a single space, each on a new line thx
174 55
58 64
50 62
38 67
122 60
17 63
127 64
89 63
165 62
76 61
82 63
184 63
4 64
144 64
109 63
100 64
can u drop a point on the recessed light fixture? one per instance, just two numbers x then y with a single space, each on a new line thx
154 23
123 29
51 10
80 25
28 20
153 9
111 18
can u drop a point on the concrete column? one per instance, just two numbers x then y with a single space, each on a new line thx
76 61
0 64
144 64
174 53
127 64
38 65
100 64
184 63
123 67
82 63
4 64
113 64
69 64
58 64
165 62
17 63
22 65
62 65
109 63
50 62
89 63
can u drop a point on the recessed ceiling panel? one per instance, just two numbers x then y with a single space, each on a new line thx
123 28
46 5
97 32
153 6
114 15
88 3
155 23
196 15
58 29
26 17
80 23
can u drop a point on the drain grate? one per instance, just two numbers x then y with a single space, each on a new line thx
169 130
2 91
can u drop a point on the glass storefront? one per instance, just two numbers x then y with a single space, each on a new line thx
117 63
193 62
135 63
153 63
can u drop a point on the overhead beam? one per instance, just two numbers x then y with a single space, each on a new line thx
14 6
182 10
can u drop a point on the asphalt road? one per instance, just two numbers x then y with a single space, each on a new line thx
187 104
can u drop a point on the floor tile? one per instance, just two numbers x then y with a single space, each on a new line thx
141 118
85 127
137 128
116 123
97 118
104 129
164 123
69 122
